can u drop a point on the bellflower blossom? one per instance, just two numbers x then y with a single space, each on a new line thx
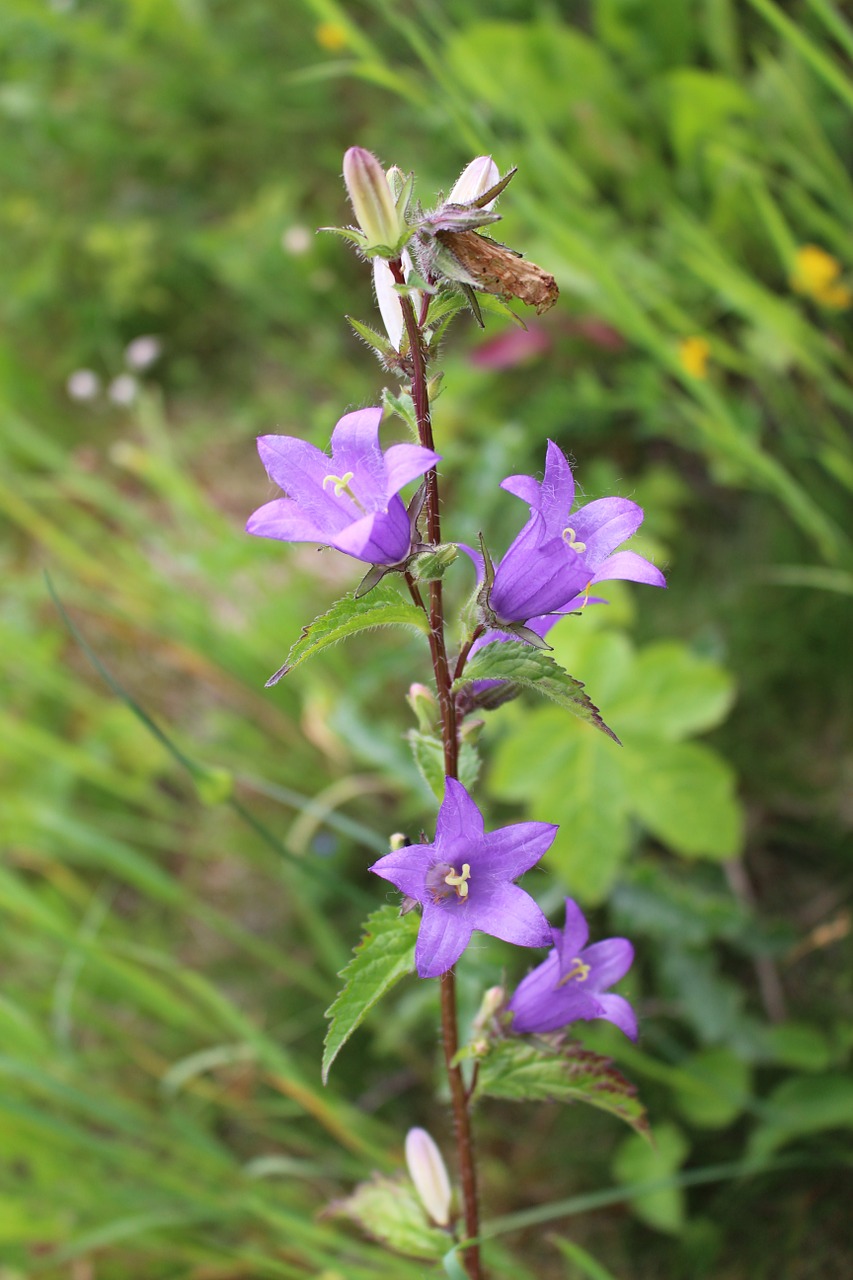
464 881
557 557
571 983
349 501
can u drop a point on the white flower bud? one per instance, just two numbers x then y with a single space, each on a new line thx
142 352
428 1173
475 179
83 384
123 389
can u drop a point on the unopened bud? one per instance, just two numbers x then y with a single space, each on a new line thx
423 702
474 181
428 1173
371 198
492 1001
430 566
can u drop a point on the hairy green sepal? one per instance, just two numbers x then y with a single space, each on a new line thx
385 954
520 664
543 1069
384 607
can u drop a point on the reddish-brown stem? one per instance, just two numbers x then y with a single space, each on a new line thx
450 740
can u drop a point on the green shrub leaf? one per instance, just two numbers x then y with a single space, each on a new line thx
541 1069
637 1161
383 607
531 668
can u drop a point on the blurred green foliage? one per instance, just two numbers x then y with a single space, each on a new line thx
174 913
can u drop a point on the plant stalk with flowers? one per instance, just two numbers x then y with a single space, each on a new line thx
427 267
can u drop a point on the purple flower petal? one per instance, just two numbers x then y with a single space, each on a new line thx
573 937
558 490
355 448
283 519
617 1010
608 961
459 820
405 462
443 936
406 868
511 915
383 537
508 853
603 525
300 468
631 567
524 487
537 575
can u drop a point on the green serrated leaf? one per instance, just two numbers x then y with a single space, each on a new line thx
384 607
540 1069
388 1209
534 669
428 753
385 954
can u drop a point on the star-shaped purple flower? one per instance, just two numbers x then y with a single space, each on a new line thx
464 881
556 558
349 501
571 982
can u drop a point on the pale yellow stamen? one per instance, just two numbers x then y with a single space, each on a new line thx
459 882
341 483
569 536
342 486
578 970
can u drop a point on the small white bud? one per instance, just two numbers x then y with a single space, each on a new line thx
142 352
123 390
296 240
428 1173
83 384
474 180
492 1001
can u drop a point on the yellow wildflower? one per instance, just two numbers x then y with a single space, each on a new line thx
693 354
331 36
815 274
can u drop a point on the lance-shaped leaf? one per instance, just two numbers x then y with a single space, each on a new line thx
540 1069
521 664
385 954
383 607
389 1210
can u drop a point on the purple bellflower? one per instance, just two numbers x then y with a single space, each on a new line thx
464 881
349 501
557 557
571 982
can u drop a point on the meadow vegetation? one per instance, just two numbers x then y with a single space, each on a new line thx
185 852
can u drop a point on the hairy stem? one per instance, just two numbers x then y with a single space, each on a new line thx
450 741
